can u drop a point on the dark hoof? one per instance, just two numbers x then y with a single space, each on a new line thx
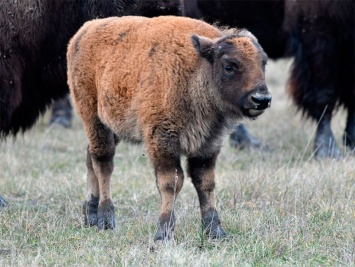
331 151
166 225
212 225
164 235
216 232
106 215
90 209
325 145
3 203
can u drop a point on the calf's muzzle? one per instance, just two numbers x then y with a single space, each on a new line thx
261 101
256 101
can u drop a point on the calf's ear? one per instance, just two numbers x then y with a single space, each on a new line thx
203 46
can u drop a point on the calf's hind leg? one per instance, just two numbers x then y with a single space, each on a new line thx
98 207
91 203
201 171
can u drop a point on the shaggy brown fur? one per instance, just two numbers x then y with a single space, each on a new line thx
174 83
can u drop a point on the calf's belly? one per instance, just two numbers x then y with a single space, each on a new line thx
122 122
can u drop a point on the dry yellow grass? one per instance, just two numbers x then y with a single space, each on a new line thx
281 208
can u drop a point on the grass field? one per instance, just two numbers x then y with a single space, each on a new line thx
280 208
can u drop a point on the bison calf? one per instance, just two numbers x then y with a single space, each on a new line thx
175 84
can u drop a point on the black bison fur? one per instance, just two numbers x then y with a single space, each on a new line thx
321 40
263 18
33 41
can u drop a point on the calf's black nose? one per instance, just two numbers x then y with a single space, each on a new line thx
262 101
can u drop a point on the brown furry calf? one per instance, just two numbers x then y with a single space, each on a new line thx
174 83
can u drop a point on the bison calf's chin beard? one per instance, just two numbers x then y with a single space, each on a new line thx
256 102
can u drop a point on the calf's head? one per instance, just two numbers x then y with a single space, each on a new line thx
236 64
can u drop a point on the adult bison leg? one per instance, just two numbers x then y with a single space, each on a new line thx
317 99
202 174
62 112
98 207
325 144
349 135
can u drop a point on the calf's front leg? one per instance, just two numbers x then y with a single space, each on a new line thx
201 171
169 178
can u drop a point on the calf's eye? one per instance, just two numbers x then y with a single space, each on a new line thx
228 69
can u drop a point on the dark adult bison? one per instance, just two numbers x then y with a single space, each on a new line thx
321 39
33 41
319 34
